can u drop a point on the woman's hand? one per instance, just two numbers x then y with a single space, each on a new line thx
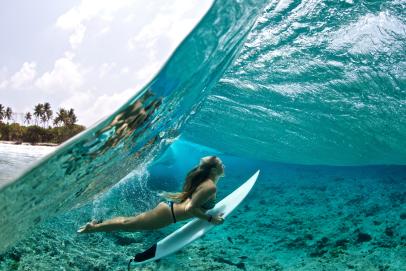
217 219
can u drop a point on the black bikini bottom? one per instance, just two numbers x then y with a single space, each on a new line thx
170 204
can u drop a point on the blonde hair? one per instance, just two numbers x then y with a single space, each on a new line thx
194 178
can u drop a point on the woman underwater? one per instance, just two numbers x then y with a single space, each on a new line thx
198 196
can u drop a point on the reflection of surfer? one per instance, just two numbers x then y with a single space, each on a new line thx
128 122
198 195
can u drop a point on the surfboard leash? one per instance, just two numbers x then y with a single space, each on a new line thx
129 264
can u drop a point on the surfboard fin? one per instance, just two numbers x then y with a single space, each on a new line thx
146 255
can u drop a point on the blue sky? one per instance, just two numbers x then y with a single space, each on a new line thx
92 55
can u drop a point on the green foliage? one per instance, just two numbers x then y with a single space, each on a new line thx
61 134
36 134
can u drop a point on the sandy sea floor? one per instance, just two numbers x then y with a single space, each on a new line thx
304 219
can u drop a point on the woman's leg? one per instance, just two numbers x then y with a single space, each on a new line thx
157 218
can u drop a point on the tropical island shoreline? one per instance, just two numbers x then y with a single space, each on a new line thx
54 130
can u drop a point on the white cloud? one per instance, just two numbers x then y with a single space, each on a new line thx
125 70
163 25
106 68
77 37
171 23
3 77
130 18
3 84
24 76
104 30
3 73
76 18
65 76
80 100
145 74
69 20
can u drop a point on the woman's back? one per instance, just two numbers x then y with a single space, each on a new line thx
179 208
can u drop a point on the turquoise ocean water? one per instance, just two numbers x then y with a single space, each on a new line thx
310 92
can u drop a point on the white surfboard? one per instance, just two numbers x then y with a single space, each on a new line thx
195 228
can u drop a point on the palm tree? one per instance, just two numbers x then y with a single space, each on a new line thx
57 120
47 111
38 112
8 114
72 119
27 118
44 120
1 112
61 117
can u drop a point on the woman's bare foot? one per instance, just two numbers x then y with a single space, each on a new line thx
88 227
